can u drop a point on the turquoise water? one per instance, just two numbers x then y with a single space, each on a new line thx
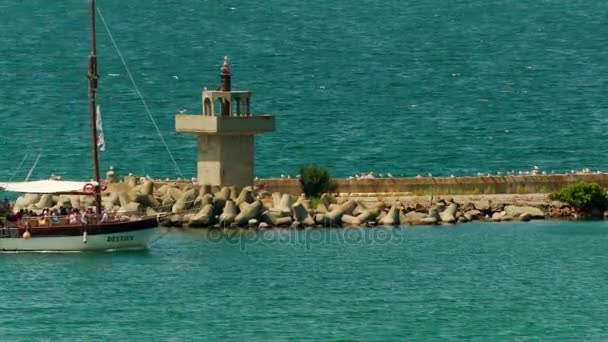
405 87
544 280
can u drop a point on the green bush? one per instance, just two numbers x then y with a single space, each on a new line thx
315 180
585 196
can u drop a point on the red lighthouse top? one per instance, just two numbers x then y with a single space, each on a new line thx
225 76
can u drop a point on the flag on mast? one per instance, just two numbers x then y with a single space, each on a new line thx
101 142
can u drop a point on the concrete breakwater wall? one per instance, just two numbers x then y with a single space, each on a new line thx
444 185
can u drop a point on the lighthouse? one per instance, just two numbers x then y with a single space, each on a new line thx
226 132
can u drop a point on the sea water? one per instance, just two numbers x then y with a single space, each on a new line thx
406 87
484 282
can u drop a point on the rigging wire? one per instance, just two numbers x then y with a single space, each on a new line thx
29 174
19 167
136 88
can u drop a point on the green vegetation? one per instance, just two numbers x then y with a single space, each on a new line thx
315 180
585 196
314 202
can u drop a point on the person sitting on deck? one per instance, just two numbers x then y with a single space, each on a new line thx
74 216
54 216
104 216
85 218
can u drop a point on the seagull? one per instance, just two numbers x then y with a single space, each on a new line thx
181 111
176 77
429 174
389 175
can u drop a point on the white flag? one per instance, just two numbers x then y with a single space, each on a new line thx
101 142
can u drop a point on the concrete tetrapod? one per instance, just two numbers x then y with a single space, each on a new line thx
228 215
251 212
302 215
448 215
185 202
203 218
391 218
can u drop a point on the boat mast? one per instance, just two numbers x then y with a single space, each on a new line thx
93 76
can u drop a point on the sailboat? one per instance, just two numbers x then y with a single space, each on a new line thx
93 231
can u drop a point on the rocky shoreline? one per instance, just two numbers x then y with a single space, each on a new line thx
190 205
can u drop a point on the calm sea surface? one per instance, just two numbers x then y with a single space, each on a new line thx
483 282
405 87
396 86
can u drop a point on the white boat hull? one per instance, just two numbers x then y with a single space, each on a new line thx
138 239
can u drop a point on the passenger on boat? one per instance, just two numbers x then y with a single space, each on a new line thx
55 215
85 218
104 216
74 216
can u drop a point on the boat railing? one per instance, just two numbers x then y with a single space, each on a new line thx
63 220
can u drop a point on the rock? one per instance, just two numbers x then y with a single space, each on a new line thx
377 210
167 202
500 216
434 212
174 221
284 221
147 188
123 198
321 208
233 193
472 214
228 215
185 202
525 217
482 205
203 199
263 225
462 219
365 216
253 223
327 199
203 218
151 212
348 207
285 205
76 202
130 209
448 215
269 218
415 218
334 206
515 211
301 214
429 220
276 199
391 218
131 181
246 195
350 220
251 212
46 201
333 218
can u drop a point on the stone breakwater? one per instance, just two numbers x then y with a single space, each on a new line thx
520 184
190 205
